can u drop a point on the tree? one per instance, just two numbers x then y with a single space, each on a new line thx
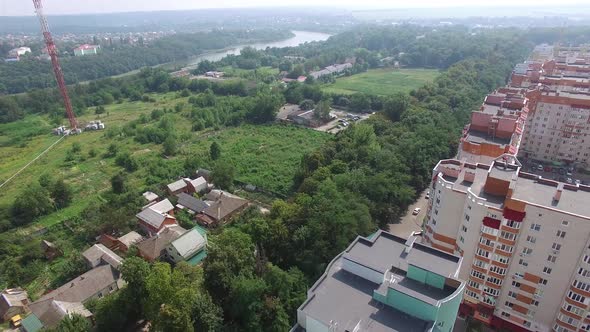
296 72
396 105
322 110
118 183
73 323
61 194
265 107
360 102
222 175
214 151
307 105
170 146
31 203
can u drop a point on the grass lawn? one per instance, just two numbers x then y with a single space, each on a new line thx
382 82
266 155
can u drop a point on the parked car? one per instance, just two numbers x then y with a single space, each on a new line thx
540 167
416 211
427 195
569 180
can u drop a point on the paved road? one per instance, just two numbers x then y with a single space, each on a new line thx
410 223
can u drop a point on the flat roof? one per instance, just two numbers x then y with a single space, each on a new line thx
479 137
527 187
345 300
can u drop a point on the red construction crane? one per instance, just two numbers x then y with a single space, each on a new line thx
59 76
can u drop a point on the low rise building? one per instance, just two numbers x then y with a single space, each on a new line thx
190 247
156 216
384 283
151 249
222 207
13 301
86 49
98 254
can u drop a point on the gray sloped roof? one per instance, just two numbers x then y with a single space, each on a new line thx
50 312
192 203
163 206
130 238
99 251
85 286
153 246
189 243
152 217
174 186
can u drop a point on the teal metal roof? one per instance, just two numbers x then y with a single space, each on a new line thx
31 323
198 258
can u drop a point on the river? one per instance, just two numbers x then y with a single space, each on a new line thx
301 37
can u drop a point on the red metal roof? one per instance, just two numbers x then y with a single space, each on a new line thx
514 215
491 222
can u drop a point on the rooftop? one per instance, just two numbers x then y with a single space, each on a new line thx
344 300
526 187
153 246
178 185
479 137
189 243
191 203
130 238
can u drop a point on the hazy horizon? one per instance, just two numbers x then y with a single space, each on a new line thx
66 7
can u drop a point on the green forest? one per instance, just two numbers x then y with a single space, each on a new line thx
259 267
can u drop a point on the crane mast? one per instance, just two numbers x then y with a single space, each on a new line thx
59 76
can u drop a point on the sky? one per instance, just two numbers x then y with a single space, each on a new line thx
25 7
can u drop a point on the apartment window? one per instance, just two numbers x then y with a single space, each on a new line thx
513 224
468 207
543 281
477 274
509 304
498 270
516 284
565 223
506 248
561 234
556 246
547 270
507 235
500 258
531 239
461 239
535 303
463 228
491 291
523 262
436 211
434 222
585 327
467 217
505 314
567 319
583 272
483 253
586 259
486 242
581 285
489 230
512 294
551 258
535 227
527 251
471 294
576 297
474 284
480 264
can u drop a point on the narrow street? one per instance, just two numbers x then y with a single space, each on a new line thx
410 223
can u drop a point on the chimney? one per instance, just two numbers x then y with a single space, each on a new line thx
557 195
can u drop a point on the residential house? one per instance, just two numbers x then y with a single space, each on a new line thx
305 118
155 217
150 197
153 248
177 187
198 185
222 207
205 173
192 204
50 250
189 247
86 49
98 254
13 301
129 239
52 307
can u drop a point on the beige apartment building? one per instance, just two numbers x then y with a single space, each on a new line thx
525 243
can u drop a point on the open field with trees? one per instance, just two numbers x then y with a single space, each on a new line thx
382 82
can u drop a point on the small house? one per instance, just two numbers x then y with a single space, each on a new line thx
150 197
50 250
192 204
13 301
153 218
177 187
198 185
129 239
98 254
189 247
153 248
221 209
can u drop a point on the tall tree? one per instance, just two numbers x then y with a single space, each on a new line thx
61 194
223 175
214 151
31 203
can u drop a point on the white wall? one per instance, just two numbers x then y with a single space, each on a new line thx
362 271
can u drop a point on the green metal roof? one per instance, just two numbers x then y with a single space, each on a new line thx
198 258
32 323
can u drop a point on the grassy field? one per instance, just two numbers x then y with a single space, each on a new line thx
383 81
266 156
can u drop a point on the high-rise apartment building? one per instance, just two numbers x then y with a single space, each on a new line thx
525 243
